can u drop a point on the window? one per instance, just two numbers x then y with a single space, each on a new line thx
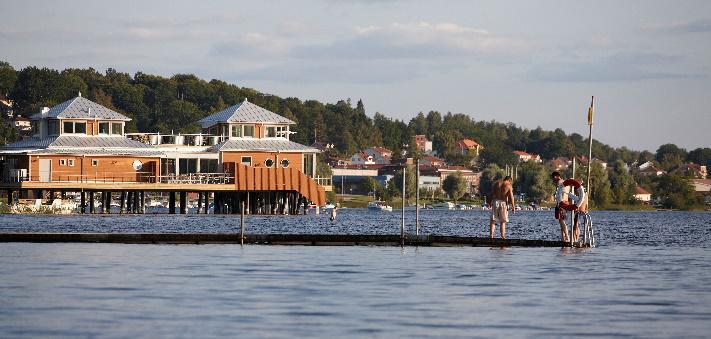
276 131
103 128
285 163
246 161
80 127
74 127
52 127
269 162
70 162
116 128
225 131
208 165
236 131
186 166
248 131
94 162
62 162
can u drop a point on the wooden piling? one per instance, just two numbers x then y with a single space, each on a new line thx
183 203
171 202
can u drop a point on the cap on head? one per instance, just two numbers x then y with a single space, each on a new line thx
555 174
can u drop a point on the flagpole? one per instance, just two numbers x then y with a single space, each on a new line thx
587 235
590 123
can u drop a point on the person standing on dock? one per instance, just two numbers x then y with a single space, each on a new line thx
568 201
501 193
334 212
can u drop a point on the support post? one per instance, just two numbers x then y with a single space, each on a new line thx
417 198
183 203
129 202
83 202
122 202
171 202
241 224
143 202
199 207
402 217
207 201
91 202
9 197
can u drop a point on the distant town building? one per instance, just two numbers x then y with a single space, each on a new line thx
423 145
642 195
6 107
472 178
702 187
645 165
21 124
432 161
381 155
651 171
560 163
525 156
692 170
468 146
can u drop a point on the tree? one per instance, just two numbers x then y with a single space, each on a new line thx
370 185
622 183
8 76
670 156
455 185
497 154
411 182
599 192
701 156
673 191
533 180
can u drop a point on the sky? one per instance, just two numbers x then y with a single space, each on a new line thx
533 63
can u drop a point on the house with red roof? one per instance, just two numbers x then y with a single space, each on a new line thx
642 195
469 147
525 156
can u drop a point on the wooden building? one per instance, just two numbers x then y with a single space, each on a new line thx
80 145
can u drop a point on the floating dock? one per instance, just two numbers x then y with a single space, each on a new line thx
275 239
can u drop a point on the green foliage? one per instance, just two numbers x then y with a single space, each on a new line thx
455 185
534 180
410 182
622 183
160 104
673 191
8 76
701 156
371 185
599 192
670 156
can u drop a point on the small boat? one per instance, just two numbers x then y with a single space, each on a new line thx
329 206
446 205
380 206
44 206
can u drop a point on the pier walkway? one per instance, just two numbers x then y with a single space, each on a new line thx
273 239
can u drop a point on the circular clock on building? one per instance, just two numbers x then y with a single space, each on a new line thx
137 165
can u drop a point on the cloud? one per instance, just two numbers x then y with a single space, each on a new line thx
693 26
416 40
622 66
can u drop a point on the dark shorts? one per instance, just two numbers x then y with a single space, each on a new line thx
560 214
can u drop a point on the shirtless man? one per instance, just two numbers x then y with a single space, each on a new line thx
568 201
501 193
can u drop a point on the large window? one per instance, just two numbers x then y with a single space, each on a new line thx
208 165
116 128
53 127
276 131
104 128
236 131
75 127
248 131
187 166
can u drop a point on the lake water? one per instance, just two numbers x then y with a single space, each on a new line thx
650 277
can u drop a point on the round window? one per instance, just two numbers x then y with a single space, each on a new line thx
285 163
137 165
269 162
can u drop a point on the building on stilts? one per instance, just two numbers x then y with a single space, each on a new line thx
242 157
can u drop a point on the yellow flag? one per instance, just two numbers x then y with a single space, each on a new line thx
590 111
